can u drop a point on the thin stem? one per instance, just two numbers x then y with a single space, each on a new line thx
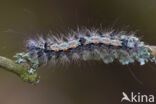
20 69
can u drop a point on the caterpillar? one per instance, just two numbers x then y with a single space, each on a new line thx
88 45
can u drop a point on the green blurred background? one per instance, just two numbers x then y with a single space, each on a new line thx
90 82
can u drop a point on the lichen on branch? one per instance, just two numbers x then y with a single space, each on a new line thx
19 69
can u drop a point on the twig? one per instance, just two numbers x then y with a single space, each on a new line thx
20 69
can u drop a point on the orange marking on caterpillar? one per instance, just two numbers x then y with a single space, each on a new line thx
116 39
106 43
55 50
64 49
95 42
107 37
115 45
48 46
73 46
39 45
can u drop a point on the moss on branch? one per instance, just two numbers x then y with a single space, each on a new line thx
20 69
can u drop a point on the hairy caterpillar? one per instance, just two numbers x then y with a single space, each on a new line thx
86 45
90 45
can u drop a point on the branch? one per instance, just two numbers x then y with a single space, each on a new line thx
19 69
